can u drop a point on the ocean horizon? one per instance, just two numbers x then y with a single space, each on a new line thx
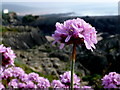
73 8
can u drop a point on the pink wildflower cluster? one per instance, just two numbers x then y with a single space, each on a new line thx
112 80
7 55
17 78
75 31
65 81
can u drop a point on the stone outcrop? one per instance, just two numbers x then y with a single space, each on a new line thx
24 37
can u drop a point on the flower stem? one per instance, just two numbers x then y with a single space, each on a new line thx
72 65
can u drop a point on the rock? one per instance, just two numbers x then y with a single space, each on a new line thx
51 71
24 40
22 56
81 69
56 62
49 38
104 58
62 56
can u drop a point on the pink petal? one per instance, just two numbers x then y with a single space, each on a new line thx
53 42
93 45
68 38
87 45
80 35
62 45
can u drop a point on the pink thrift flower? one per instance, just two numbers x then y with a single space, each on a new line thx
75 31
21 85
13 83
30 84
112 80
43 83
2 48
57 84
7 56
33 77
17 71
66 78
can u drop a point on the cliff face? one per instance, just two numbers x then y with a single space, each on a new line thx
23 37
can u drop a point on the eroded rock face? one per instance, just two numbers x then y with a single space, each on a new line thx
24 38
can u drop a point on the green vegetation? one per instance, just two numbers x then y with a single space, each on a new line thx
94 80
29 18
7 29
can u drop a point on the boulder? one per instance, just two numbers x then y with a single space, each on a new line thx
61 55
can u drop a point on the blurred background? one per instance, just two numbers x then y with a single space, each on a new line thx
27 28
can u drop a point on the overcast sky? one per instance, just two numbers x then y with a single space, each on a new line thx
60 0
88 7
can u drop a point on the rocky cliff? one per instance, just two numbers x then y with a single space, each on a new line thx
24 37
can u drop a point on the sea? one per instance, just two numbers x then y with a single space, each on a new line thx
72 8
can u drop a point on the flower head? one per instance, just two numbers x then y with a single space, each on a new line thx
43 83
24 77
57 84
17 78
30 84
21 85
75 31
33 77
17 71
66 78
7 55
13 83
7 73
2 48
112 80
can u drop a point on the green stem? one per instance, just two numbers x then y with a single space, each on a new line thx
72 66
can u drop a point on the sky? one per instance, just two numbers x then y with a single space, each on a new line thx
60 1
81 7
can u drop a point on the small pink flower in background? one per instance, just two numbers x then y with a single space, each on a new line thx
30 84
17 78
2 48
13 83
65 81
33 77
17 71
112 80
66 78
57 84
75 31
7 56
21 85
43 83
